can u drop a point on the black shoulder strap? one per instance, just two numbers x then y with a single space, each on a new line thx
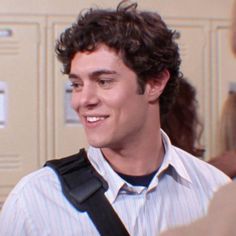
85 188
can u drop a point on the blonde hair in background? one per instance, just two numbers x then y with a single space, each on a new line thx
227 126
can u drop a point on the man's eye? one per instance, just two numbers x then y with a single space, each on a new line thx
106 83
75 85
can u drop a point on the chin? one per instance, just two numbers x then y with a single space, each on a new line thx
96 144
100 142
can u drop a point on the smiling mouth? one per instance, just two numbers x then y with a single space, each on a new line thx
94 119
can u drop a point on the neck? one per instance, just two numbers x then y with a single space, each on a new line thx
137 159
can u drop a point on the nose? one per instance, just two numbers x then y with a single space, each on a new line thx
87 97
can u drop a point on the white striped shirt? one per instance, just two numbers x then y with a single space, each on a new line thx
178 194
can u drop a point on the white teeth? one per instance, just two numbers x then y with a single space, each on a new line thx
94 118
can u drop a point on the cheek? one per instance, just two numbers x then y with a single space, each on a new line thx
118 102
131 108
74 102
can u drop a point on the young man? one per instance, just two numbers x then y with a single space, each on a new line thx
124 69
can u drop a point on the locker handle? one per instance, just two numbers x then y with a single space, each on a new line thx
3 104
5 33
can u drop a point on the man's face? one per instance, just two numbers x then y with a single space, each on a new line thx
106 100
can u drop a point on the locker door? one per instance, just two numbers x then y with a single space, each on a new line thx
19 101
223 72
64 127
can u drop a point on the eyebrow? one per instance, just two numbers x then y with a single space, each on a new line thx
95 74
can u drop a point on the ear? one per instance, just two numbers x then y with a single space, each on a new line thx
156 86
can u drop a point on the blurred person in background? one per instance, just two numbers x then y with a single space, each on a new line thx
184 127
226 160
182 123
220 218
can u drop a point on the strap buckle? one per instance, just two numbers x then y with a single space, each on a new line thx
82 192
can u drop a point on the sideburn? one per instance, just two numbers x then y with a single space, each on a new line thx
141 86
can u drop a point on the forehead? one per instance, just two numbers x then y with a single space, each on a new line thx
102 54
103 58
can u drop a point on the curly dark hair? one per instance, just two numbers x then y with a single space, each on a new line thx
143 40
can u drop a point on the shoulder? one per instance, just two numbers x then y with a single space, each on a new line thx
28 198
201 171
35 183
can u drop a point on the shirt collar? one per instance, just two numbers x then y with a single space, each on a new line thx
116 183
172 158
